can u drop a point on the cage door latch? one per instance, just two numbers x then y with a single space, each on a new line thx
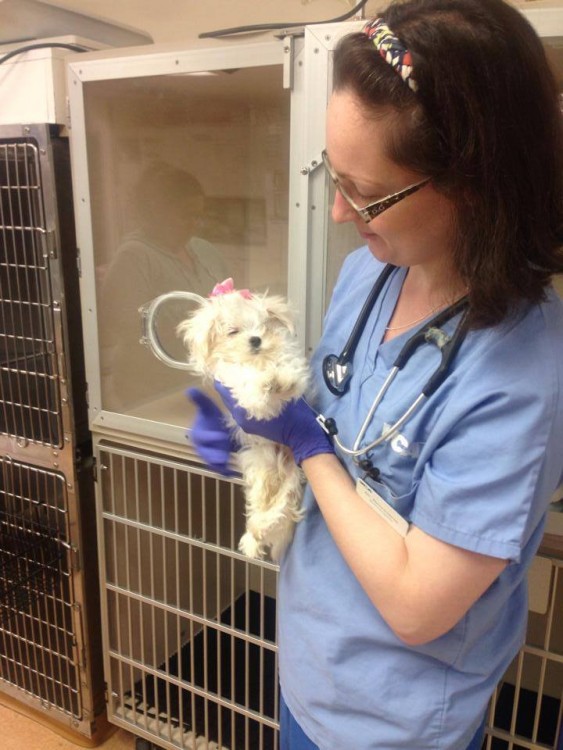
49 244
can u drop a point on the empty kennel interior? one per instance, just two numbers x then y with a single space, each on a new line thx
526 710
189 622
31 402
36 275
38 652
48 575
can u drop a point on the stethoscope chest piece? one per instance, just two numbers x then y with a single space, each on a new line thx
336 374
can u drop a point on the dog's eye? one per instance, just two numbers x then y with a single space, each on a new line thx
232 331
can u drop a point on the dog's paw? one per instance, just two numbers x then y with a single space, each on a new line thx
251 547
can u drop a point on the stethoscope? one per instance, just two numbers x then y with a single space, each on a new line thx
337 370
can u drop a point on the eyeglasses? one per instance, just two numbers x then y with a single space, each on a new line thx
369 212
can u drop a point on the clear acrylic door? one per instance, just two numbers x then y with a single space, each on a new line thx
188 177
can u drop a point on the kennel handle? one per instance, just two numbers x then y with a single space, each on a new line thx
150 337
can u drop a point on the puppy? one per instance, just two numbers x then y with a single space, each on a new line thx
248 342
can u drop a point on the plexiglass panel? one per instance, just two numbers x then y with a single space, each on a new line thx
189 185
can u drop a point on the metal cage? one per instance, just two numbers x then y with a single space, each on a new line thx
188 621
31 402
49 641
33 534
526 710
38 650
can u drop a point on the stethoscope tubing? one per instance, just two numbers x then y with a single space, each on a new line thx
338 371
429 333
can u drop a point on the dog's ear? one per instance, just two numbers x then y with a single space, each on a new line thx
277 308
198 334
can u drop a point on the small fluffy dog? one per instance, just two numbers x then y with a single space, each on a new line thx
248 342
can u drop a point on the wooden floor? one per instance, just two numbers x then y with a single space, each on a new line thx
20 732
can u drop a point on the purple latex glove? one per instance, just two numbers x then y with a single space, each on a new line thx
296 426
211 437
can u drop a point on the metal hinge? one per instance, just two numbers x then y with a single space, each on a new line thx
79 262
67 113
75 558
94 468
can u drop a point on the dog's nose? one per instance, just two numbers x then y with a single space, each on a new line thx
255 342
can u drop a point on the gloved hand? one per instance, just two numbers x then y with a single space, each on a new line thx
296 426
210 435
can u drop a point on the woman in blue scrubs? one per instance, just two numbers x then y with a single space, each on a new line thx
444 140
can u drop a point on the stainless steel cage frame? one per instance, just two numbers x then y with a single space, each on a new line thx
188 621
49 609
526 710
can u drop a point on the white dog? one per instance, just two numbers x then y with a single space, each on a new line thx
248 343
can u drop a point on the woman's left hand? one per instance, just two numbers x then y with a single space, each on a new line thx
296 426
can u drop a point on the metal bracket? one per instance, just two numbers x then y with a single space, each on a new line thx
288 60
49 244
312 166
287 36
293 31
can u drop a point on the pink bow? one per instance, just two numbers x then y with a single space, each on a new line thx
227 287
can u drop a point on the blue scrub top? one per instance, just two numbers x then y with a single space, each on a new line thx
475 467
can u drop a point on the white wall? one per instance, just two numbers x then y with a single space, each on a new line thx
183 20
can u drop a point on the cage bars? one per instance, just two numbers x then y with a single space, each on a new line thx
191 654
30 407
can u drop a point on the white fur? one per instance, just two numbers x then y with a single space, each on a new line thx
250 346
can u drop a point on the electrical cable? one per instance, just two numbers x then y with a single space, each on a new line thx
272 26
42 45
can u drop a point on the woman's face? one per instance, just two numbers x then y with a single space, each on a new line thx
416 231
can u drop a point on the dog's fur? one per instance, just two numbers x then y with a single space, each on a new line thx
248 343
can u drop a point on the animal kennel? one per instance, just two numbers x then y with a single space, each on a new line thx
49 641
235 129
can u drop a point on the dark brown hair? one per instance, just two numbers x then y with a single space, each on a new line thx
485 123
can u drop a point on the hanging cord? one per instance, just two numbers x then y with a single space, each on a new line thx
43 45
273 26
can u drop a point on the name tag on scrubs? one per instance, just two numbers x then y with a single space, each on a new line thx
378 504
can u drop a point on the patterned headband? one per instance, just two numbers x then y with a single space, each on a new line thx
391 50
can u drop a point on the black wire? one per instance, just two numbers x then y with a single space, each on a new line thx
271 26
42 45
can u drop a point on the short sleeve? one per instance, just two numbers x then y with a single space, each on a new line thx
495 450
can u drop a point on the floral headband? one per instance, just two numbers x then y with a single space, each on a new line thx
391 49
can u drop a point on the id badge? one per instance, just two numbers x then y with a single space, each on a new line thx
380 506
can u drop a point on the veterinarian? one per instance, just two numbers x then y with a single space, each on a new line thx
391 638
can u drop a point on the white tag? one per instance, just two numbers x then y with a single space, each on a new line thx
378 504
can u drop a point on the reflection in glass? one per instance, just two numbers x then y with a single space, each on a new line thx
163 253
189 185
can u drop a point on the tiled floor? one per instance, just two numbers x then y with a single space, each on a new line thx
19 732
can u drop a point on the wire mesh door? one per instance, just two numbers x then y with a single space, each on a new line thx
38 652
526 711
30 408
189 622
